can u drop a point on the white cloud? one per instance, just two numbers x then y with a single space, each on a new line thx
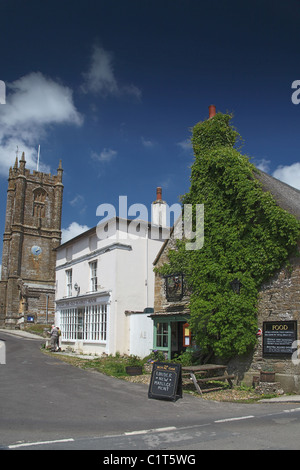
131 90
105 156
39 100
33 103
185 145
13 146
72 231
263 165
147 143
78 202
100 77
289 174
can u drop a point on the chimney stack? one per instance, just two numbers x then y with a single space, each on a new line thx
212 111
159 210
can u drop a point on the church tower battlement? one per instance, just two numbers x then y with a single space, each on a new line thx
31 235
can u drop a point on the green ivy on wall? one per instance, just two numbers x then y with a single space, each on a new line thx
247 236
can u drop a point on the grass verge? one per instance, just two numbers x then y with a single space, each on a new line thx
115 366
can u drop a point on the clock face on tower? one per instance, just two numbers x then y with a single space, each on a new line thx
36 250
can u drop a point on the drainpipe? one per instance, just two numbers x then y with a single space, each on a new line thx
47 299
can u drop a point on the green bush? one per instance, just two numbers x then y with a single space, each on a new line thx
133 360
185 359
155 356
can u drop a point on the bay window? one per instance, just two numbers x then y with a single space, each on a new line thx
88 323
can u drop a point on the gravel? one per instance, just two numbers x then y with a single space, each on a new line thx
235 394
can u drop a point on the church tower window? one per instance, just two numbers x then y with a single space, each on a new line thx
39 199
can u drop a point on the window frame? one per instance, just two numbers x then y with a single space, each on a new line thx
93 266
162 334
69 282
86 323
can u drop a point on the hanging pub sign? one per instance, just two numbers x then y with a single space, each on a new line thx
278 337
174 287
166 381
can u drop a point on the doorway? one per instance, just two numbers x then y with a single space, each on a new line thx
168 334
177 338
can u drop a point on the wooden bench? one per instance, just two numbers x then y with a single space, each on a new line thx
220 373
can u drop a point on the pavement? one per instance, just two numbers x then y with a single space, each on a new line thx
282 399
26 334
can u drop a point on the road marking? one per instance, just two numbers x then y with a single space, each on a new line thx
146 431
40 443
233 419
170 428
133 433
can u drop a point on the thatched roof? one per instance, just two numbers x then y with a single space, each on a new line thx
287 197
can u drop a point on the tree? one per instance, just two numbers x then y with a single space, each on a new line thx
247 237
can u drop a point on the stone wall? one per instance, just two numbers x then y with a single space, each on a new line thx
279 300
161 305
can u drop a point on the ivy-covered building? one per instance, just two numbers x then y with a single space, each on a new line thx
240 293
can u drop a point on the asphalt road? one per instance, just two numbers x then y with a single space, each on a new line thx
48 404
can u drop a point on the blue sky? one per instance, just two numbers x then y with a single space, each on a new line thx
112 88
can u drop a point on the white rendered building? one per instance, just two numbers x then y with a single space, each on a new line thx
105 288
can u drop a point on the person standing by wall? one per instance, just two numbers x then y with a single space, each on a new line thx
54 338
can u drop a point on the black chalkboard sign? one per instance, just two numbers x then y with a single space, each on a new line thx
278 337
166 381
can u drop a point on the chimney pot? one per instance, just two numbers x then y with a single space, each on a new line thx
212 111
158 193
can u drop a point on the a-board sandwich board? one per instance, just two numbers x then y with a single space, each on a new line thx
166 381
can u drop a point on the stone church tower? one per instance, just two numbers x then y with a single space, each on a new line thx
32 233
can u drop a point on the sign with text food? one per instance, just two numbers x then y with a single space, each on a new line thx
278 337
166 381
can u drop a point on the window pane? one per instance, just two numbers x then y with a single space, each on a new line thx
69 282
162 335
93 276
89 323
